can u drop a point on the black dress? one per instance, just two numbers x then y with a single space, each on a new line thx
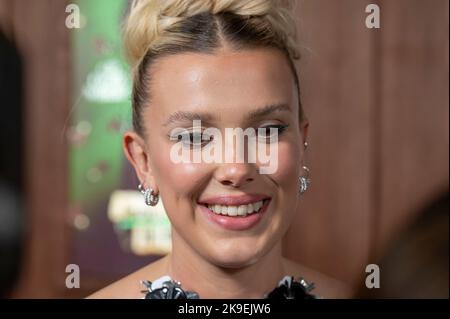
166 288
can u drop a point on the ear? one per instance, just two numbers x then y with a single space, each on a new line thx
135 150
304 126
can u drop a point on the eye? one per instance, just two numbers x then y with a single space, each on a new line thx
270 131
194 139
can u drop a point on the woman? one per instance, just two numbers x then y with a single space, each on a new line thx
221 64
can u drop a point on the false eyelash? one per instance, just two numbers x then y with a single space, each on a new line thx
179 138
281 127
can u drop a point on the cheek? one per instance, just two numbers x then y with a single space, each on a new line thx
286 179
177 180
289 159
178 183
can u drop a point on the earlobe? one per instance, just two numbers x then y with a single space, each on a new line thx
135 151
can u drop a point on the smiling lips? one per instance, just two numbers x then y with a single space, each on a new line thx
235 212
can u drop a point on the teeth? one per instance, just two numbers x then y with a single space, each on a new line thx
242 210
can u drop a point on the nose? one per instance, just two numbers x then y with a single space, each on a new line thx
235 174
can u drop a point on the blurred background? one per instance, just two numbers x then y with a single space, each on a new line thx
376 99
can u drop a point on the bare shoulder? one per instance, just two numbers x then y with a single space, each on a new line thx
129 287
325 286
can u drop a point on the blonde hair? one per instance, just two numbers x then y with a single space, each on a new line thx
156 28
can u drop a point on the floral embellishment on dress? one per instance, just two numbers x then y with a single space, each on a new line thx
289 288
166 288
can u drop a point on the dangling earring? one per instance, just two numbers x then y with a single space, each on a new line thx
150 198
304 181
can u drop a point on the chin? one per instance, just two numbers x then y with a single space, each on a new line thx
235 263
236 256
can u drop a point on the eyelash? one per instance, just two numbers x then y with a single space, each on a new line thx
179 138
280 127
202 143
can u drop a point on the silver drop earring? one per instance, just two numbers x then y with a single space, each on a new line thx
150 198
304 181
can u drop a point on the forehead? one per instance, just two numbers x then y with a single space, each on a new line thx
225 82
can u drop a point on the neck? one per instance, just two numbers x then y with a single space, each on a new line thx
196 274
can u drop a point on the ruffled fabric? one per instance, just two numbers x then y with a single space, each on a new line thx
166 288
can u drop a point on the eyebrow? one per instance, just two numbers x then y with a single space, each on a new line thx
268 109
187 116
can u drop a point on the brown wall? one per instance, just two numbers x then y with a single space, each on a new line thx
38 29
377 101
